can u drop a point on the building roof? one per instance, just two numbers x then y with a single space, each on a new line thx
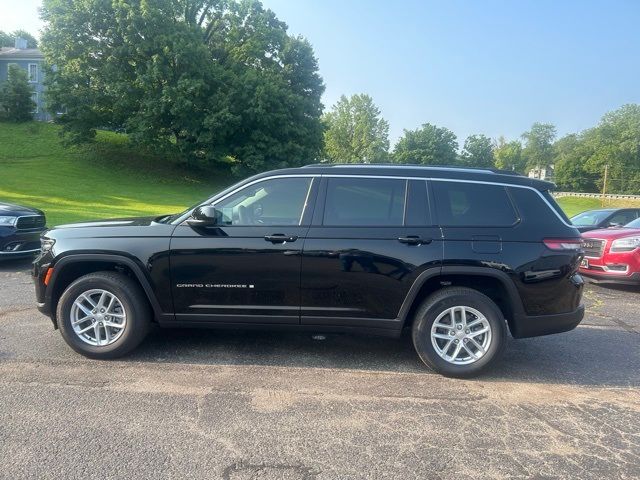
15 53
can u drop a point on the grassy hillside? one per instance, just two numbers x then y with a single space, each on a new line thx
107 179
574 205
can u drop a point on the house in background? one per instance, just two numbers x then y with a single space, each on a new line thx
32 60
542 173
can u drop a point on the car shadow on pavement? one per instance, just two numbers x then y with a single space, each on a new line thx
586 356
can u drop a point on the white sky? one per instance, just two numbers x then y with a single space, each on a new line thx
20 15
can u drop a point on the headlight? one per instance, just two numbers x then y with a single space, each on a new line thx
7 221
625 244
46 244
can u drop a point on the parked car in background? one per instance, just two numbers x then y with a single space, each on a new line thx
604 218
20 229
613 254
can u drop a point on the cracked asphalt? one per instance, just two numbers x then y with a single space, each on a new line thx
254 405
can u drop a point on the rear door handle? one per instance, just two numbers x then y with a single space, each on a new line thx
414 240
280 238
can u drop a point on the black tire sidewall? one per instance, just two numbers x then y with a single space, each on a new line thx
426 317
127 293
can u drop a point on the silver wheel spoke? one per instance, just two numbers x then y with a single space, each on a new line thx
478 346
468 350
88 300
456 351
84 309
441 335
85 329
474 323
113 325
478 332
81 320
96 331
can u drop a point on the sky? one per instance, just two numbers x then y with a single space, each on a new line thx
491 66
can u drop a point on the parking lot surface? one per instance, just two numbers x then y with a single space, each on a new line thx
255 405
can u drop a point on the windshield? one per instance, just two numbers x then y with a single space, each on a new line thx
633 224
590 218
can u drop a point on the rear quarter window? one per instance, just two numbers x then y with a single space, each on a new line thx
461 204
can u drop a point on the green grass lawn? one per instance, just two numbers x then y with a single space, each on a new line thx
105 179
574 205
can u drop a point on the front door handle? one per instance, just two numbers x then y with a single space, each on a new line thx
414 240
280 238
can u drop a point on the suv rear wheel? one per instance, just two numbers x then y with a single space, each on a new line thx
459 332
103 315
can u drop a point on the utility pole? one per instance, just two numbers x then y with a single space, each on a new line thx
604 184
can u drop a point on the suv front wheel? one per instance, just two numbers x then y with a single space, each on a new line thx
103 315
458 332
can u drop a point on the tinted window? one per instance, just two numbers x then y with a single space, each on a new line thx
279 201
590 218
364 202
473 204
622 218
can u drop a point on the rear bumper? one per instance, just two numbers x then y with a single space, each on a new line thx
524 326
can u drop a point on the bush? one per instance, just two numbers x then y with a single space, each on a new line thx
16 104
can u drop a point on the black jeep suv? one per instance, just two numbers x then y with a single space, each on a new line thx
458 256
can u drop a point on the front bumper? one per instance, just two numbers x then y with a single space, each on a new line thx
16 243
524 326
602 277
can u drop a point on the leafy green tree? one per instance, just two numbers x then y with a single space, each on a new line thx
16 104
477 151
356 132
428 145
615 142
508 156
216 81
538 150
571 152
5 39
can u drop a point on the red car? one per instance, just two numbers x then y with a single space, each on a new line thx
612 254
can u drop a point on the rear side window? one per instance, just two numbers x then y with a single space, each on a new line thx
460 204
364 202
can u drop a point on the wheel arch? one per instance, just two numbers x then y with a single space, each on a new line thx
71 267
495 284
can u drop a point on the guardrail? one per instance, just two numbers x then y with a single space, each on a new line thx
608 196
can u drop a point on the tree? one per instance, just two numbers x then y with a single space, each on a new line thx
428 145
216 81
5 40
356 132
477 151
508 156
538 150
8 39
570 154
16 104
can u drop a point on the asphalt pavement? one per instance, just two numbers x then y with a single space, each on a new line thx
255 405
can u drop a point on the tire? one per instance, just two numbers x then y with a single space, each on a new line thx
464 364
113 342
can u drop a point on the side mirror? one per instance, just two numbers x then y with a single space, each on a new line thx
614 225
205 216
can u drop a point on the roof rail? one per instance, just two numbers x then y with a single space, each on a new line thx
415 165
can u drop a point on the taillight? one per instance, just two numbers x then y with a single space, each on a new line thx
563 243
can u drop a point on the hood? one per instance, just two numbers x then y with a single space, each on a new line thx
11 209
113 222
612 233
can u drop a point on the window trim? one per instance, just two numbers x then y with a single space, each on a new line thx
29 72
210 201
326 195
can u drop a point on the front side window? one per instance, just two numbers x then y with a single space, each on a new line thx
274 202
461 204
361 201
33 73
